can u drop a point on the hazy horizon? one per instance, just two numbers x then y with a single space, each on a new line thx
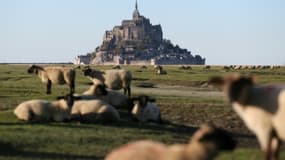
222 31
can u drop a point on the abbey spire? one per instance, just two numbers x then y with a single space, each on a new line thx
136 5
136 13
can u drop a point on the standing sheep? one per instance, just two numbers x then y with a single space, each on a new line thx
113 79
204 145
42 110
145 111
160 70
262 108
92 111
54 75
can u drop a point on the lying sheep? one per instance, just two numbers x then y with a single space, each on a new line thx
54 75
92 111
42 110
145 111
113 79
262 108
204 145
113 98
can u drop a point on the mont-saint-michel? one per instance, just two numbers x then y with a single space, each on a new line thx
138 42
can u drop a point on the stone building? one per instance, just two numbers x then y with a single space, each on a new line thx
138 40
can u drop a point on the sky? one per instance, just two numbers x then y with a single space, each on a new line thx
222 31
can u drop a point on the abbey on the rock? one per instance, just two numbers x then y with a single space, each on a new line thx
137 41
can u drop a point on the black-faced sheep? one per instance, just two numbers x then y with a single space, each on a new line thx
116 67
54 75
93 111
145 111
204 145
262 108
160 70
42 110
113 79
113 98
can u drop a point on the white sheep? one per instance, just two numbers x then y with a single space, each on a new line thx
92 111
54 75
42 110
113 79
145 111
262 108
204 145
116 99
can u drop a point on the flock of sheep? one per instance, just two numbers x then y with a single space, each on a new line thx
262 108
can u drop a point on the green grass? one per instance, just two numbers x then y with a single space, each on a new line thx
20 140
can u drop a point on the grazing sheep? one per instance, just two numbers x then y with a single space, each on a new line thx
207 67
185 67
262 108
54 75
92 111
42 110
113 79
143 67
113 98
116 67
145 111
204 145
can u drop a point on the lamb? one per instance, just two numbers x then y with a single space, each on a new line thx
113 79
42 110
113 98
262 108
204 145
54 75
145 111
92 111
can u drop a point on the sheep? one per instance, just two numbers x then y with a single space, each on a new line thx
160 71
54 75
113 98
92 111
204 145
185 67
113 79
207 67
262 108
42 110
143 67
145 111
116 67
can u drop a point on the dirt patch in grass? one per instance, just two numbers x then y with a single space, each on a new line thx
196 114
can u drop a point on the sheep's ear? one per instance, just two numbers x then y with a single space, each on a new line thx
151 100
135 99
253 79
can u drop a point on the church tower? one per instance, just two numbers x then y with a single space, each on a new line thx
136 13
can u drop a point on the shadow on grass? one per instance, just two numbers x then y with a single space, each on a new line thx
8 150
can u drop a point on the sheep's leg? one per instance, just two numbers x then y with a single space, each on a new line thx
49 87
128 89
72 87
274 146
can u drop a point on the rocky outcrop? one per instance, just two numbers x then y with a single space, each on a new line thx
138 40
